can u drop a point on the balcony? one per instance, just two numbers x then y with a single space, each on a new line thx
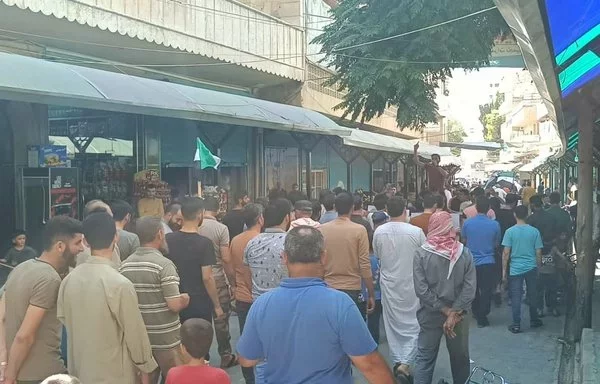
194 35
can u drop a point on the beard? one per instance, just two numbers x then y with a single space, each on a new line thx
69 258
174 226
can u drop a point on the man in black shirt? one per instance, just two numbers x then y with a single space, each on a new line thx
234 219
506 218
548 276
357 217
194 256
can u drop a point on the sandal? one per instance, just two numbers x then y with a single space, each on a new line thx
402 377
514 328
229 361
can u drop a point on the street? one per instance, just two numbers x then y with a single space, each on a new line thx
526 358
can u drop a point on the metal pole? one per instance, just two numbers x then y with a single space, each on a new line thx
348 176
309 174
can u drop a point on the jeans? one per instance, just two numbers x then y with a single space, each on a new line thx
242 312
516 293
259 372
547 286
373 321
430 335
486 279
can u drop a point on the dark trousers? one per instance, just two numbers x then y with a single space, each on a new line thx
242 309
547 287
516 294
486 281
200 307
355 296
373 320
428 346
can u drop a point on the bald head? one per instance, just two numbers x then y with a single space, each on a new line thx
96 206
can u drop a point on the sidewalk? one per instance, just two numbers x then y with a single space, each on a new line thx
526 358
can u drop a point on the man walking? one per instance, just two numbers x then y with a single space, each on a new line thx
254 221
194 256
128 241
549 229
481 235
218 234
445 282
29 315
523 247
395 243
97 206
347 261
172 219
310 332
107 340
156 282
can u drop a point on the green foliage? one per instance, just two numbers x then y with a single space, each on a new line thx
456 134
491 119
416 64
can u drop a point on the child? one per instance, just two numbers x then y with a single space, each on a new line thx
19 251
196 338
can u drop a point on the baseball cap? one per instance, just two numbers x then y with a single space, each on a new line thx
379 217
303 206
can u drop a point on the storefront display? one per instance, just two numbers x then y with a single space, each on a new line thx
105 177
221 195
147 180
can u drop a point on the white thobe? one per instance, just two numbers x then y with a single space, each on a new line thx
395 244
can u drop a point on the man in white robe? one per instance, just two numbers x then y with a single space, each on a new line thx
395 243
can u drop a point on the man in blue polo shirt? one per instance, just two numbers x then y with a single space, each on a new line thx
309 333
482 236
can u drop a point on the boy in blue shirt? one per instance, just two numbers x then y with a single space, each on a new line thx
523 246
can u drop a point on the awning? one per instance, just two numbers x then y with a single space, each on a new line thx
379 142
483 146
536 162
34 80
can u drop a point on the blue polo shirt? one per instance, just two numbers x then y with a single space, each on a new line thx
523 240
483 237
306 332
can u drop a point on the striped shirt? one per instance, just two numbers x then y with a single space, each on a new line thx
155 280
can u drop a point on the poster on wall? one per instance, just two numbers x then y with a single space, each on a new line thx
64 194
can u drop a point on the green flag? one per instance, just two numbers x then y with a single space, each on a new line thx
205 157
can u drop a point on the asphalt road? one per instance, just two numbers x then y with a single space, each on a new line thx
526 358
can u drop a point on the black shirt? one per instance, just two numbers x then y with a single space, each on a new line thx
234 220
358 219
190 252
544 223
506 218
455 204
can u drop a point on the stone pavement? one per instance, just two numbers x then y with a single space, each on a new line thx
526 358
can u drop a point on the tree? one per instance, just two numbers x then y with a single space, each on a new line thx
405 71
456 134
490 118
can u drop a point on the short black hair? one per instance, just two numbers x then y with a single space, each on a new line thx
344 203
173 208
190 207
536 201
252 213
429 201
379 201
358 202
120 209
99 230
323 193
61 228
482 204
555 198
329 202
276 212
512 198
478 191
316 210
211 203
196 337
396 206
436 155
521 211
240 195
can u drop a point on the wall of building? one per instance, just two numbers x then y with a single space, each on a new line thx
360 175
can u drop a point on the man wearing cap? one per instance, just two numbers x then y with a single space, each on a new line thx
303 210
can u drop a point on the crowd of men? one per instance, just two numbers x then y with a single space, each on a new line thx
117 300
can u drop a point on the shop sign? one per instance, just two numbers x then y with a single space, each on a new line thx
48 156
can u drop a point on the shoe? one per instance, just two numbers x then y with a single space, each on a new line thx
556 312
229 361
536 323
483 323
514 328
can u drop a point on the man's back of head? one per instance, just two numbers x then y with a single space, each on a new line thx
121 209
329 202
304 245
536 202
277 212
95 206
358 203
512 199
252 214
379 201
521 212
100 231
211 204
482 204
344 203
147 229
430 201
303 209
555 198
396 206
191 207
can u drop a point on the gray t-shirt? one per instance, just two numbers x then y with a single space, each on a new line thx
128 243
15 256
